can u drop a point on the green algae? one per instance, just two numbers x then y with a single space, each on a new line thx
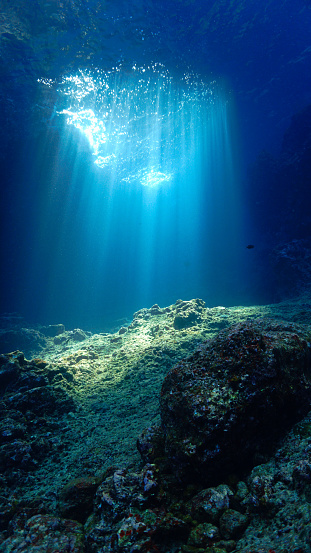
115 381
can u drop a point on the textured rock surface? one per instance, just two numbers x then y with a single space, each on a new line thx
32 406
188 313
209 504
43 533
76 498
53 456
277 497
130 514
24 339
234 397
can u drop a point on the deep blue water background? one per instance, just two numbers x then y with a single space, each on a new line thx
82 248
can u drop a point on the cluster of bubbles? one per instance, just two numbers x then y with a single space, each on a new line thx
142 124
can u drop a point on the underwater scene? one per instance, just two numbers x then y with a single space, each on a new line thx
155 300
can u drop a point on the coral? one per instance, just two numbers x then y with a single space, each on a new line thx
217 405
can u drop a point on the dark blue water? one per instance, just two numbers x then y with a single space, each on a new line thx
131 187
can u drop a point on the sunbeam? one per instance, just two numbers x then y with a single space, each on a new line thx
152 212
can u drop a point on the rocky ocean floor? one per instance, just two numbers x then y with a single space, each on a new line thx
73 405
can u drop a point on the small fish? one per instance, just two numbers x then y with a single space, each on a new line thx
250 246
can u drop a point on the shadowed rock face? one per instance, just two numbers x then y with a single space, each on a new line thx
32 406
226 405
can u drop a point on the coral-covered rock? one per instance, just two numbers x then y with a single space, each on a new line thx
78 335
203 535
28 405
12 426
44 533
17 453
148 530
25 385
232 524
26 339
42 400
234 397
76 498
10 368
150 443
209 504
130 514
188 313
123 489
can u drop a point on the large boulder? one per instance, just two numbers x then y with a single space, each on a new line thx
33 402
227 404
44 533
188 313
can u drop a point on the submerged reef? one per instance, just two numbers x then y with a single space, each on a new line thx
218 405
214 398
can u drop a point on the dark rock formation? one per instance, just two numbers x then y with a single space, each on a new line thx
188 313
76 498
25 339
76 335
222 409
130 514
209 504
52 330
44 533
226 405
31 407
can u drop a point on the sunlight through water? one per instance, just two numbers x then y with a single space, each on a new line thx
140 123
145 189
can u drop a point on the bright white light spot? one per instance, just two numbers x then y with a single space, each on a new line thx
89 124
140 123
46 82
103 161
148 177
154 178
